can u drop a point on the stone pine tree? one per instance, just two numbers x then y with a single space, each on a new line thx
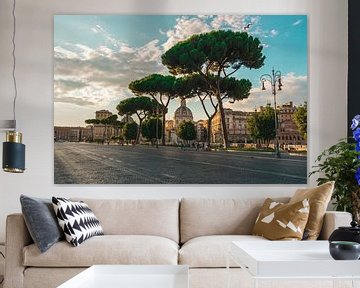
109 121
215 56
141 106
160 88
195 86
92 122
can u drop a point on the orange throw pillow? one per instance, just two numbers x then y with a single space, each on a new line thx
279 221
319 198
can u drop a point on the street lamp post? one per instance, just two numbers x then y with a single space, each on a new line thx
274 78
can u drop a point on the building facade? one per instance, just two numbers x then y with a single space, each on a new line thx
288 133
102 114
106 132
236 124
72 134
201 130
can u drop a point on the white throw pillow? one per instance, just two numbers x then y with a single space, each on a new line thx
76 220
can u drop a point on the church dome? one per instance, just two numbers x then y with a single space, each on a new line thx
183 111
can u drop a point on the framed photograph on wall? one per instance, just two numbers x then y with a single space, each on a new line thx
180 99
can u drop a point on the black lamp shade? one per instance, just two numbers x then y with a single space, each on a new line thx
13 157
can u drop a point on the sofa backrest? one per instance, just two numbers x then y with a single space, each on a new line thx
200 217
159 217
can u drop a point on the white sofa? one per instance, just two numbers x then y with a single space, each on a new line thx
194 232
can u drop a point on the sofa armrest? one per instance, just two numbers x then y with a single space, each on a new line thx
333 220
17 237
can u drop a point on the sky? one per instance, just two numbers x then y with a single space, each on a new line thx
97 56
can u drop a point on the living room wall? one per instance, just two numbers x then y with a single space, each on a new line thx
327 22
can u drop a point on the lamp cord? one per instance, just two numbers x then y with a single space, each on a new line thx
14 61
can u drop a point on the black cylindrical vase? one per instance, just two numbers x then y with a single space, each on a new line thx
13 153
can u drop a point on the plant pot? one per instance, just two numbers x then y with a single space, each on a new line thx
350 234
343 250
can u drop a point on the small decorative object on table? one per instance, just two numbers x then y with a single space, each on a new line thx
344 250
344 233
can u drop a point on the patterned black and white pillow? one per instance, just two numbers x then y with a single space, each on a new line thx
77 220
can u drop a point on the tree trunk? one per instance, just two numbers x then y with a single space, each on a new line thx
223 122
208 138
355 202
163 127
104 134
138 132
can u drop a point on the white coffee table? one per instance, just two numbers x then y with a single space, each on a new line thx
292 260
131 276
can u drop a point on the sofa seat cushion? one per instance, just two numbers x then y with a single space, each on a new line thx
206 217
107 249
211 251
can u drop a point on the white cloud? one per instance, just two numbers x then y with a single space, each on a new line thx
294 89
150 52
86 76
184 28
297 22
274 32
236 22
162 32
261 33
187 26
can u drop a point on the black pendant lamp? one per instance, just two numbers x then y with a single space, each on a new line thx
13 149
13 153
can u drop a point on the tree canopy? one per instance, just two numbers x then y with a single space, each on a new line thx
214 53
141 106
92 121
149 128
262 125
216 56
160 88
130 130
155 85
300 119
111 120
186 131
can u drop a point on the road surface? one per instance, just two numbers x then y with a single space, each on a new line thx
83 163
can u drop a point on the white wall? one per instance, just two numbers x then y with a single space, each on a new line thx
327 86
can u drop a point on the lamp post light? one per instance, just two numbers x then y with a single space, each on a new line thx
274 79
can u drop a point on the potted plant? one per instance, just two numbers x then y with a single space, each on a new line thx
341 163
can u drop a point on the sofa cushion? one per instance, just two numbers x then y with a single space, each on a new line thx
201 217
279 221
77 220
41 221
107 249
319 198
211 251
158 217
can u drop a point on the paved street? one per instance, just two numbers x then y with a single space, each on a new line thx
82 163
